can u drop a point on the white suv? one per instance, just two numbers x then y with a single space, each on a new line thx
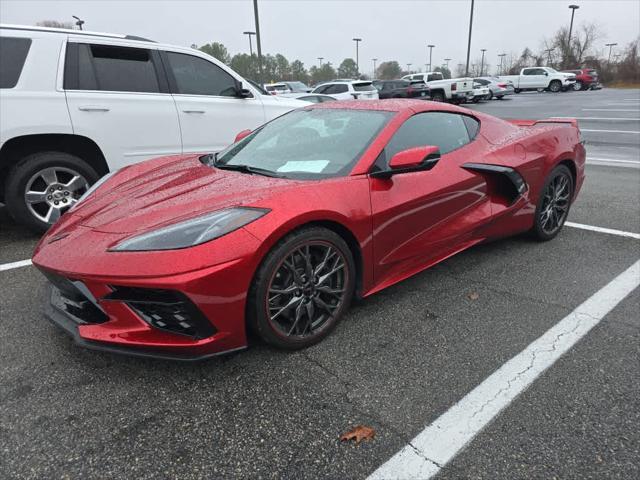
348 90
75 105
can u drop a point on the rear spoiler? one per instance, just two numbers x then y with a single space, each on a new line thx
530 123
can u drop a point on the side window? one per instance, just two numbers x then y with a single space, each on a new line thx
529 71
197 76
340 88
323 89
328 89
117 69
446 130
473 126
13 53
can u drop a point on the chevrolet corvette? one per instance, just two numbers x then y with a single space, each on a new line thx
182 257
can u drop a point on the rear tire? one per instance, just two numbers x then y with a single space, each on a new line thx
517 90
437 97
46 176
554 204
294 303
578 86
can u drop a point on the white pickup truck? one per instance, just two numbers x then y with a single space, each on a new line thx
454 90
537 78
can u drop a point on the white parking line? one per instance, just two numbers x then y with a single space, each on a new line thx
609 131
610 110
441 441
610 231
612 119
12 265
614 160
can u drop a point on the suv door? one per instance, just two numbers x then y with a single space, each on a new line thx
118 97
534 78
210 111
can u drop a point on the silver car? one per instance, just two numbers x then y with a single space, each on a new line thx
498 88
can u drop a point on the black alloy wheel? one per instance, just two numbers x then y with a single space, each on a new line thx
554 203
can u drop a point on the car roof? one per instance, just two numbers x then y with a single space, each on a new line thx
393 105
73 32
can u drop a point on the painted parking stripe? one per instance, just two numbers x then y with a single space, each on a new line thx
635 110
612 119
12 265
441 441
610 231
609 131
612 160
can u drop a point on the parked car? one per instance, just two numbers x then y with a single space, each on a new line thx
401 89
277 88
348 90
480 92
499 88
311 97
77 105
536 78
180 257
455 90
586 79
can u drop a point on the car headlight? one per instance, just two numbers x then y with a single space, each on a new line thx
92 189
193 231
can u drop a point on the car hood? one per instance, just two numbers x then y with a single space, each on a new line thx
165 193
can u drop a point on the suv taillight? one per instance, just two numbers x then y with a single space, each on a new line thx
454 87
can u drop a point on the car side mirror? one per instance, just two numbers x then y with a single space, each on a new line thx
546 74
242 134
242 92
411 160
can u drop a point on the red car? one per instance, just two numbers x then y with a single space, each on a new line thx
180 256
586 79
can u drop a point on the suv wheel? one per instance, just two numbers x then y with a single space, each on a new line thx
437 97
577 86
555 86
44 185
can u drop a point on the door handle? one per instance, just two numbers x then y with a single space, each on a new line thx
193 111
93 108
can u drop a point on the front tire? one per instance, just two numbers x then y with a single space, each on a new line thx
554 203
44 185
302 288
555 86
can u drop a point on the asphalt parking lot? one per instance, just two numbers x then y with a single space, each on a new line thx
399 362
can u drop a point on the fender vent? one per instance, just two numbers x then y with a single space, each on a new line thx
506 180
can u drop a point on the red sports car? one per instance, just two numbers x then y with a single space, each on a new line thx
179 257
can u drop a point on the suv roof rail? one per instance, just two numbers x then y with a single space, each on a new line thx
74 32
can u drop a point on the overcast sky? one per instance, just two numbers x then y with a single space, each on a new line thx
307 29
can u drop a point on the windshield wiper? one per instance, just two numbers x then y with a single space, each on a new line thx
248 169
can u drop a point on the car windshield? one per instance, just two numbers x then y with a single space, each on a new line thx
306 144
298 87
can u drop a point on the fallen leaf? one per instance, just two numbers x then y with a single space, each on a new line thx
358 433
473 296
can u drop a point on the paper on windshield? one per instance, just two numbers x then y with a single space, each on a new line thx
309 166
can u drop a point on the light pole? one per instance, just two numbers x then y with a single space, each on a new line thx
447 60
469 41
320 60
482 61
502 55
357 40
573 12
374 67
249 34
549 50
409 67
79 22
430 52
255 12
610 45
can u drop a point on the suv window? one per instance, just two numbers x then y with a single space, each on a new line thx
446 130
363 87
435 76
117 69
13 53
197 76
336 88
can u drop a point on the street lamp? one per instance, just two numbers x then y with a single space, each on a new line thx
469 41
430 52
320 59
573 12
447 60
409 67
482 61
79 22
357 40
502 55
549 50
610 45
255 13
249 34
374 66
